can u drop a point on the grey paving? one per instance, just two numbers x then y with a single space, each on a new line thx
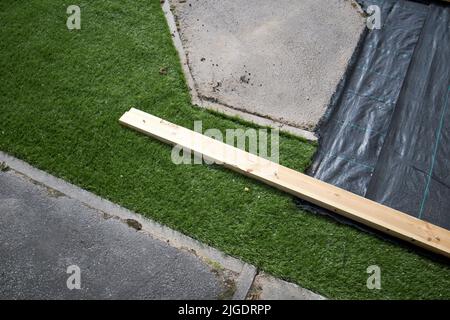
240 279
277 59
42 232
266 287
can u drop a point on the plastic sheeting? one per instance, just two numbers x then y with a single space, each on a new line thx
386 134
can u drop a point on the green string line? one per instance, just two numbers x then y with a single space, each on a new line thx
346 159
369 97
433 159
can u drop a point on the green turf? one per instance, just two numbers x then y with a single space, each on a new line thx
62 94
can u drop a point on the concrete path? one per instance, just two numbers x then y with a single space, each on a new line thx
48 225
279 60
43 232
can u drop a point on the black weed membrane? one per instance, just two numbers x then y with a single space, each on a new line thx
386 133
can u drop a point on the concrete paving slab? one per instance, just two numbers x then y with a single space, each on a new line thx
266 287
43 232
280 60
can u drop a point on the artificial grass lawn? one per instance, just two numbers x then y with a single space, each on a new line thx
62 93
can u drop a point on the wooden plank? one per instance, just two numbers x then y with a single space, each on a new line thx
370 213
